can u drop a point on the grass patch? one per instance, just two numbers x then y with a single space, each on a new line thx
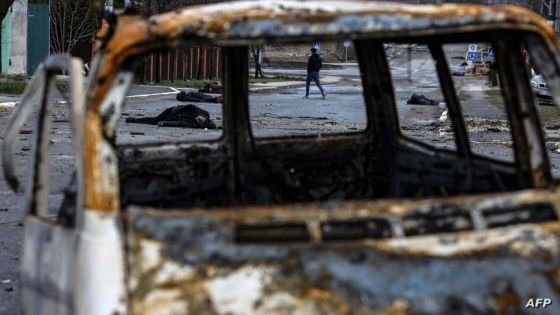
12 83
13 77
12 87
496 98
549 113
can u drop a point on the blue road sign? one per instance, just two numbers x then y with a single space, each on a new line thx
317 45
490 52
471 55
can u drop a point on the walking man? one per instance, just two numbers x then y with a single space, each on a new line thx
314 64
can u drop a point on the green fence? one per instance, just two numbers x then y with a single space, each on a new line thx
38 35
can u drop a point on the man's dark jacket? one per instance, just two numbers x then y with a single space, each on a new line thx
314 63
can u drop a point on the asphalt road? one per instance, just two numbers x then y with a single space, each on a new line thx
273 111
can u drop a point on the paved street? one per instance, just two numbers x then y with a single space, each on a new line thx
273 111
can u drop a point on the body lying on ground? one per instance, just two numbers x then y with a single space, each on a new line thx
416 99
187 116
198 97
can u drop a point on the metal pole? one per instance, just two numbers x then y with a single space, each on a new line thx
346 54
409 62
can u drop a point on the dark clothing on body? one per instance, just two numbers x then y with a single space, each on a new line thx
198 97
177 116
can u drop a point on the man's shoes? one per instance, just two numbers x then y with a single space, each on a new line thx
323 96
306 96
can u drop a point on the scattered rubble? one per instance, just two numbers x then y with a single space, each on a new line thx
212 87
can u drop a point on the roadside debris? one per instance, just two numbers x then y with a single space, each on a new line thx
213 87
61 120
198 97
470 68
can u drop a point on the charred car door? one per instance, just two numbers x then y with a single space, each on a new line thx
50 239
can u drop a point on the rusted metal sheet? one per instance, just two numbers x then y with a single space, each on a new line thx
101 182
274 19
218 262
39 96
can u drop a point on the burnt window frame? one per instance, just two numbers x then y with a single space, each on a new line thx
237 130
502 41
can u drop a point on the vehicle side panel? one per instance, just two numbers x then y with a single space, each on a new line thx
261 261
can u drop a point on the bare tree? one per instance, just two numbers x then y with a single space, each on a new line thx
71 22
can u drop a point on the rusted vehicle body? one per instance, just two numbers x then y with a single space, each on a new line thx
364 223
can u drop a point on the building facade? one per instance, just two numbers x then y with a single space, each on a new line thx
14 39
25 36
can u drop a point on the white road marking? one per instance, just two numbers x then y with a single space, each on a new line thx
174 91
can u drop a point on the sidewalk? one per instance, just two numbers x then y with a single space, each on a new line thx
254 87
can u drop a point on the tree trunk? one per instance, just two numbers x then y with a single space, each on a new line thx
158 78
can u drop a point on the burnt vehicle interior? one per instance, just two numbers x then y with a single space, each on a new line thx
239 168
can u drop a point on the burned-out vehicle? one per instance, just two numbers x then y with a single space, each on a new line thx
365 222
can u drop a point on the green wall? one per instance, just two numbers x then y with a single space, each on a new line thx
38 35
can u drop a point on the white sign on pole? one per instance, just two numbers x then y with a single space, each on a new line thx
473 47
346 43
